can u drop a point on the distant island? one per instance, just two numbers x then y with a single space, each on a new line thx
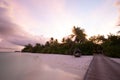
109 46
17 51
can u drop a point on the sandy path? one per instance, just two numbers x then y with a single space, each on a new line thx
102 68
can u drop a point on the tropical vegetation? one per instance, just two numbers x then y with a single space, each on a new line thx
109 46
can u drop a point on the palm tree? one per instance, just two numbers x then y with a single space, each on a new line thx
51 40
78 35
63 40
27 48
99 39
118 33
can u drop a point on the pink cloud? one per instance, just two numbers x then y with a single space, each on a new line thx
117 4
53 12
12 35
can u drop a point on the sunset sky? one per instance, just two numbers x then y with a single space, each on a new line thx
35 21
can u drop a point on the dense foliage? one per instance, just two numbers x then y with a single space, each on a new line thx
109 46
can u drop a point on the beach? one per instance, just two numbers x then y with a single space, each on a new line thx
27 66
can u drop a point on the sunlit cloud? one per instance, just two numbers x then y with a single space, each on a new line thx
117 4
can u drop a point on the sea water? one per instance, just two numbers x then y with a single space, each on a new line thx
27 66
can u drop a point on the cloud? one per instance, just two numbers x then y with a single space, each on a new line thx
11 34
117 4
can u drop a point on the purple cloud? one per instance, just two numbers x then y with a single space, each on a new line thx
12 33
117 4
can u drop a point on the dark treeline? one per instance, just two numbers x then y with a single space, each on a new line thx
109 46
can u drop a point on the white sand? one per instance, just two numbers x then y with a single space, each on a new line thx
116 60
20 66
